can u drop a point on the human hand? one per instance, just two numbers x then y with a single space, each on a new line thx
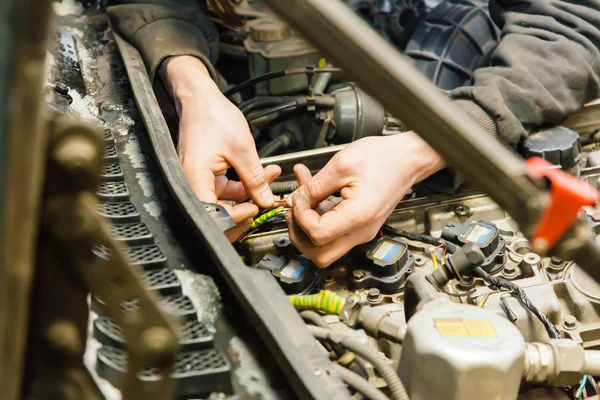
214 136
372 174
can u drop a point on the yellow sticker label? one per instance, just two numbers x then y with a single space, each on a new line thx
463 327
322 63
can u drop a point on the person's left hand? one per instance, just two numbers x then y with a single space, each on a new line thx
372 175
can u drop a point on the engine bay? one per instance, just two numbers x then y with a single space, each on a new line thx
301 110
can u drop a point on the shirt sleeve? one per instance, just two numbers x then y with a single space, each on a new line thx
161 29
546 66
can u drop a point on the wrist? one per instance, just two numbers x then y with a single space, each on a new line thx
187 80
423 160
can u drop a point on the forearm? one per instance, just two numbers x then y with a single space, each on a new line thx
162 29
188 81
545 68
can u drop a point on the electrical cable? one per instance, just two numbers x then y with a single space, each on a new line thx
324 301
386 371
355 365
420 237
359 383
259 103
276 74
500 283
493 281
289 106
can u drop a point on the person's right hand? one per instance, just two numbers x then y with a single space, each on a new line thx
372 175
214 136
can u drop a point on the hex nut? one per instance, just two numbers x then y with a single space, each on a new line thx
570 322
374 295
570 361
358 274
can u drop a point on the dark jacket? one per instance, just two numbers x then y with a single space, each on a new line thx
545 68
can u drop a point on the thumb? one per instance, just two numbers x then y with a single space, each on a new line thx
252 175
318 188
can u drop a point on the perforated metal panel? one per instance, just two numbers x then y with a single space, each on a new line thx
147 256
196 373
194 335
119 212
111 154
163 281
108 136
179 305
132 234
112 172
113 191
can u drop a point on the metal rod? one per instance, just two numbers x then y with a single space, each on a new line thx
383 72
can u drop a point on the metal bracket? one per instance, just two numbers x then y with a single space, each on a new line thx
72 223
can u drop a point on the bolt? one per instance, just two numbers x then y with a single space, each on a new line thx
462 210
374 295
570 322
78 154
556 261
160 346
596 217
64 338
510 269
328 278
358 274
61 88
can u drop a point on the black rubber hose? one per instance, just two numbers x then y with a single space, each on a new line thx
359 384
385 370
289 106
272 75
281 142
259 103
284 187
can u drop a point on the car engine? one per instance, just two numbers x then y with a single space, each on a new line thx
450 294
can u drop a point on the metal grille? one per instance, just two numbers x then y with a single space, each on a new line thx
112 172
147 257
111 153
113 191
119 212
132 234
179 305
196 373
194 335
162 280
108 136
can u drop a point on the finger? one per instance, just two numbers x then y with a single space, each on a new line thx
325 255
325 206
340 220
240 212
302 173
253 177
318 188
234 233
227 189
202 182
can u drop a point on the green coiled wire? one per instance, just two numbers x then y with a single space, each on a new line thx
267 216
324 301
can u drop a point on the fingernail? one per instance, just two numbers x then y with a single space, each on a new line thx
267 198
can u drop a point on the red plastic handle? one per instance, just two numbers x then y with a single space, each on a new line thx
567 196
